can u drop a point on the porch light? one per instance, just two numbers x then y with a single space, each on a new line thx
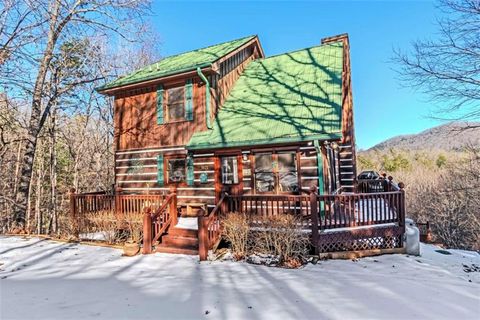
245 157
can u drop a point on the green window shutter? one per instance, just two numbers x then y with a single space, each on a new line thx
189 100
190 170
160 175
160 104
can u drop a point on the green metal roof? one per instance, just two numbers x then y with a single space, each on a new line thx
291 97
179 63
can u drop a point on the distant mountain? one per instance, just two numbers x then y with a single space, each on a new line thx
450 136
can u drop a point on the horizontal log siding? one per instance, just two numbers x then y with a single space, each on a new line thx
139 175
308 168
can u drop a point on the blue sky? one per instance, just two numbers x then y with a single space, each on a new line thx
383 107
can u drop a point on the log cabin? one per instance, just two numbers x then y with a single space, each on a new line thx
225 128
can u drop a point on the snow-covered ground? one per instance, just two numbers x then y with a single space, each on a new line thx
53 280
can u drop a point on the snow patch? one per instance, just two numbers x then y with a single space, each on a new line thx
42 279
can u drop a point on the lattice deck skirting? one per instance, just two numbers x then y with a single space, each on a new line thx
362 239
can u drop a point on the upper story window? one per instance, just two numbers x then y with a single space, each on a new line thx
175 103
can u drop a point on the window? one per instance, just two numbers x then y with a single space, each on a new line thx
176 170
287 172
264 174
276 173
229 170
176 104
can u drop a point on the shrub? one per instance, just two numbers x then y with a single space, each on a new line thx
103 223
282 236
274 236
236 230
134 224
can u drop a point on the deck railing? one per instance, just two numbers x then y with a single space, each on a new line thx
320 213
209 228
383 184
119 205
334 211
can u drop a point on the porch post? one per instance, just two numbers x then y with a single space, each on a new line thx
147 231
173 205
202 238
314 210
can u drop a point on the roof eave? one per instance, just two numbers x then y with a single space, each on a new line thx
323 136
105 89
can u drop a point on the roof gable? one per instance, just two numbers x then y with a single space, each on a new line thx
179 63
291 97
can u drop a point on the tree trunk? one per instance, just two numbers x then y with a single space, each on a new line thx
53 175
36 120
38 198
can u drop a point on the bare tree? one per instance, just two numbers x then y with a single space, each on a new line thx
59 27
447 68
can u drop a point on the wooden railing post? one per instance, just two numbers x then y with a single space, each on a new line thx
314 211
401 218
224 204
202 238
118 204
147 232
173 205
73 212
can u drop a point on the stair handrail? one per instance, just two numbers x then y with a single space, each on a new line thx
167 213
206 239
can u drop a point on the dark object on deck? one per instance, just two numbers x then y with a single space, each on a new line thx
368 175
370 181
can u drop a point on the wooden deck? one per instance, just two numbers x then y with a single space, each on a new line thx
336 222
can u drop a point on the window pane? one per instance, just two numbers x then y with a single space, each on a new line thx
175 95
176 170
286 162
288 181
176 112
176 103
264 182
229 170
263 163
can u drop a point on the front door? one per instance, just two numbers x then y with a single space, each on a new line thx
230 177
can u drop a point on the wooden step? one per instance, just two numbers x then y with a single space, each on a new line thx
191 233
164 249
180 242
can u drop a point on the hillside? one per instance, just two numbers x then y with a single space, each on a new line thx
451 136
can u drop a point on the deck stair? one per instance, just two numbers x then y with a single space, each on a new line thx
182 239
347 170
